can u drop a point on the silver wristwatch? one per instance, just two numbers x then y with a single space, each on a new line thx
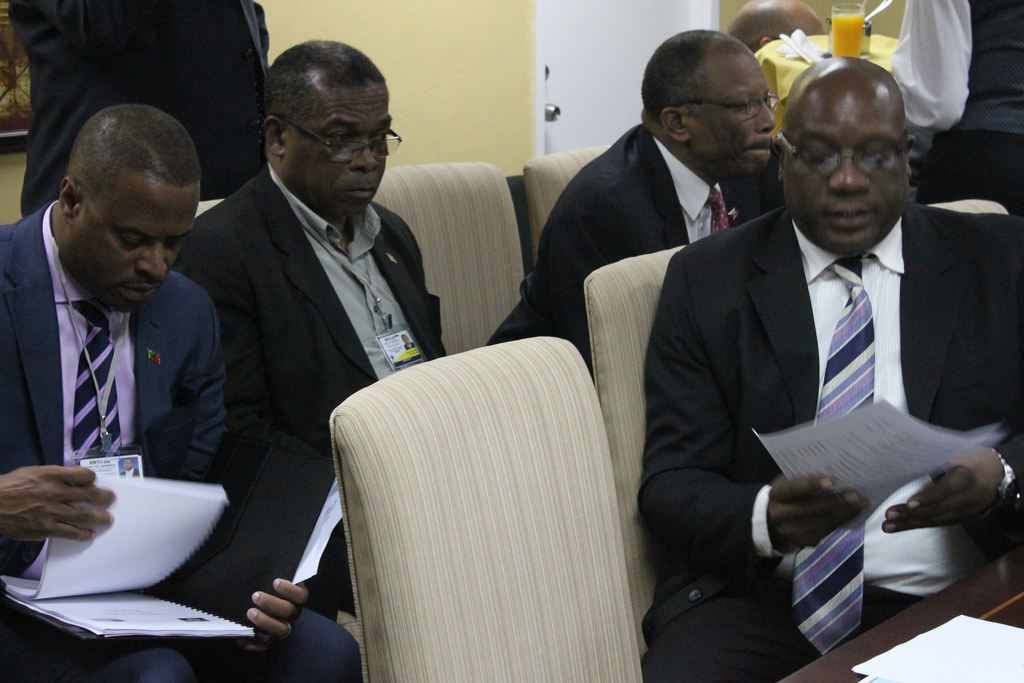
1009 492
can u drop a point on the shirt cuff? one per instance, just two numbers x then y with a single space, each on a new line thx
759 525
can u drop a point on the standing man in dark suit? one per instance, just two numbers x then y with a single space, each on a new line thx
741 342
202 61
315 285
707 119
87 294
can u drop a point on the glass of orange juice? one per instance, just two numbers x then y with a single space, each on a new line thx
847 29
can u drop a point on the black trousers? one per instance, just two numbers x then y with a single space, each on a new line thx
746 634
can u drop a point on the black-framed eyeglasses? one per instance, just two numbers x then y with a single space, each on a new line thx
869 159
751 106
345 149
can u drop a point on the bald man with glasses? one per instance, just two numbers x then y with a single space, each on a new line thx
847 297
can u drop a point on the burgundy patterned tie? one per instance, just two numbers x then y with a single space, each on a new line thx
719 216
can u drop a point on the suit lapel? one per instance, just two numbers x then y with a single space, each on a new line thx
666 201
304 271
790 328
152 391
37 337
930 295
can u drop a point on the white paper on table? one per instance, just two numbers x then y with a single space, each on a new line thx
874 450
158 524
330 515
962 649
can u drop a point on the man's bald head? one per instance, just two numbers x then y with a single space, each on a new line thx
761 21
844 164
858 82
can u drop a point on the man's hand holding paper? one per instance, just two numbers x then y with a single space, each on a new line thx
50 501
874 451
966 489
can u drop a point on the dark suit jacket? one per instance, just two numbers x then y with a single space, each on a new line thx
621 204
179 410
733 349
292 355
194 59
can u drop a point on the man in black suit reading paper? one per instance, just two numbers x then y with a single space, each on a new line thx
847 297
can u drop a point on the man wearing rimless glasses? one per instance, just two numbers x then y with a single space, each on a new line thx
317 288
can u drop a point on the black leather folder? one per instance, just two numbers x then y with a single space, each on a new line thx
274 500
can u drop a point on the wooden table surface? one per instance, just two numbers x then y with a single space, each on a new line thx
995 593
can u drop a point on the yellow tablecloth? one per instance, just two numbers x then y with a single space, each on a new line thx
780 72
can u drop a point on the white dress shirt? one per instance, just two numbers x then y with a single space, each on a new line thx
692 193
919 561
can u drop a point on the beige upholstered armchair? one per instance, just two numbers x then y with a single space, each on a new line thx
480 505
464 221
545 177
621 302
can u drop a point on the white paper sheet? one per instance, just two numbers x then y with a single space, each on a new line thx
330 515
874 450
127 614
158 524
961 650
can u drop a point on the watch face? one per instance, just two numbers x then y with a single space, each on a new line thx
1008 489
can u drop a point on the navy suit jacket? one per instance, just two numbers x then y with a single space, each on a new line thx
199 60
179 410
621 204
292 353
733 349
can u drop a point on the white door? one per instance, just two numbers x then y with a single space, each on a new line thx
594 52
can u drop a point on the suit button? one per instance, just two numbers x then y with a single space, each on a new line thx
695 595
28 556
248 55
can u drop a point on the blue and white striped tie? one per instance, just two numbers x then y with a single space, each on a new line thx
828 580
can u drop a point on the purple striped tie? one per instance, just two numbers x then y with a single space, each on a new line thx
828 580
85 431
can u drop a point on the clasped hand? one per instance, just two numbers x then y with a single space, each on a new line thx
275 615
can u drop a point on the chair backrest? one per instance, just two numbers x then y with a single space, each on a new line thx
464 221
973 206
480 508
621 302
545 178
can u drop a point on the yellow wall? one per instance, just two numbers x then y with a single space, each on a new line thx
12 168
460 75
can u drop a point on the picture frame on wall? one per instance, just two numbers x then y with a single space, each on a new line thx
15 105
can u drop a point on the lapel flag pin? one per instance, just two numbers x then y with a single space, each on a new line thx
153 356
733 214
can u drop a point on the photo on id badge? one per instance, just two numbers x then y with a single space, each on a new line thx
125 463
400 349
